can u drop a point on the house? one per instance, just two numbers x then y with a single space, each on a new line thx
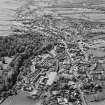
98 74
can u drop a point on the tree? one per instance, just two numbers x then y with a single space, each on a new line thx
1 67
3 60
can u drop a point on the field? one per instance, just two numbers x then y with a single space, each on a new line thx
20 100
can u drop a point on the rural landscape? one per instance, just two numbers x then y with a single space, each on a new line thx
52 52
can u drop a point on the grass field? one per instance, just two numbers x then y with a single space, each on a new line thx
98 103
20 100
